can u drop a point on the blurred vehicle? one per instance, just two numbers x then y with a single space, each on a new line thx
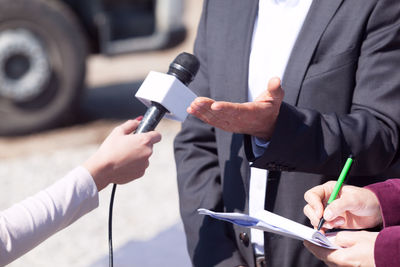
44 45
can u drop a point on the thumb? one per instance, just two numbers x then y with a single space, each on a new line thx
274 91
336 208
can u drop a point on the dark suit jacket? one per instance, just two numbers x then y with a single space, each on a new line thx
342 96
387 245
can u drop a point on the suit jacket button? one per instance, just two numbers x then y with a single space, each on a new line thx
244 238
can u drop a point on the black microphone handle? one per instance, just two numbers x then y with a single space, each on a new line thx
151 118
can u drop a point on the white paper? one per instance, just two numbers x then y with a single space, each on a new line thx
273 223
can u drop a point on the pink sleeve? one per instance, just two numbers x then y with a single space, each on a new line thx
388 194
29 222
387 247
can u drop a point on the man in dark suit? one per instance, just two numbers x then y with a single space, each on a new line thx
342 93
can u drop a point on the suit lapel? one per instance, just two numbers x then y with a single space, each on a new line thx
318 18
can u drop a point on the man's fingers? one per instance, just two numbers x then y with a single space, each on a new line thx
203 101
217 113
201 108
200 104
274 91
228 108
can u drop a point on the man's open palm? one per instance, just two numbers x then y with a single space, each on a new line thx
255 118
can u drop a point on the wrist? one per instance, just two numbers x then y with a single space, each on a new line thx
98 172
375 207
264 134
267 132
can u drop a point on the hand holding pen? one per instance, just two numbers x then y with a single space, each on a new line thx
350 208
338 186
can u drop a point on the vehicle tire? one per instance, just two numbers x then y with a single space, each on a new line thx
42 64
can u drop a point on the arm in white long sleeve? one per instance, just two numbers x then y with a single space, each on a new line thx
29 222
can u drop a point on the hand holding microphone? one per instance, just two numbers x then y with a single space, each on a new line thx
122 157
162 93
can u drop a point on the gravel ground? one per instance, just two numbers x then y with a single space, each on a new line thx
147 229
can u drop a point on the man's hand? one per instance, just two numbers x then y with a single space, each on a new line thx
355 207
357 250
255 118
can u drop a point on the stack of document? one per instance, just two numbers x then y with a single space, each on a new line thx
273 223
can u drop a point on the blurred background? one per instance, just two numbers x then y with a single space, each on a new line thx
69 70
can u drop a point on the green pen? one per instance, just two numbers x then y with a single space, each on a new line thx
338 185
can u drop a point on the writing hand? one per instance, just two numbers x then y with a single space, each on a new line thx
354 208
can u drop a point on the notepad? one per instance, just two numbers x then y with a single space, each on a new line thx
273 223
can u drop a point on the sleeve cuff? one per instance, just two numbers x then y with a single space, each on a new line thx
388 194
387 247
259 146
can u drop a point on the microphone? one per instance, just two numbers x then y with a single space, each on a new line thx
162 93
182 69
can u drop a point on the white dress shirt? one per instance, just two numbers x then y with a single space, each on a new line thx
275 32
29 222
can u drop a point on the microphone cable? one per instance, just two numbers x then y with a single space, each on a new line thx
110 243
